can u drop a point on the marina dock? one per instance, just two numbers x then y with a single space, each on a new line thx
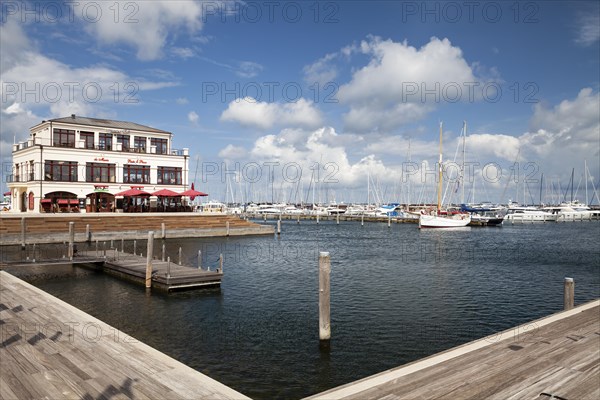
50 349
54 228
557 357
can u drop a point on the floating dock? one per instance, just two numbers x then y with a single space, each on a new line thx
166 275
50 349
557 357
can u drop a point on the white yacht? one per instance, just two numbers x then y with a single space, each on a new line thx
572 211
517 213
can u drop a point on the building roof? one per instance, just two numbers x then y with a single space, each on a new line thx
107 123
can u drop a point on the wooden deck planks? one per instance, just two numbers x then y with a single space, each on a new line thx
559 355
97 362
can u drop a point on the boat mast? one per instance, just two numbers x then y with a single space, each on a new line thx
541 186
439 188
586 180
462 169
572 183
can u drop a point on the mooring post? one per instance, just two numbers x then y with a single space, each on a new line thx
112 244
337 218
168 267
389 221
163 252
179 256
317 218
88 235
104 248
163 231
199 259
33 257
569 293
71 239
22 232
264 217
96 247
298 221
134 246
227 227
220 269
279 227
150 252
362 220
324 303
122 245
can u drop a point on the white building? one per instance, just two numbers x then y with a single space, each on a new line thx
79 164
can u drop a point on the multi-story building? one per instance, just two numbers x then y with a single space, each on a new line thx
80 164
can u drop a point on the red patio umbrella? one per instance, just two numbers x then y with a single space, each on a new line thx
166 193
191 193
133 192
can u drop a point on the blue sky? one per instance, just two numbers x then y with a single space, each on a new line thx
340 86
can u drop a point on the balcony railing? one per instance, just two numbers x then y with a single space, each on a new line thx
81 144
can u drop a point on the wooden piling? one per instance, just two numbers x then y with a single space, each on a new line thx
337 218
88 236
179 256
96 247
324 301
298 221
220 263
112 243
317 219
163 252
569 296
134 246
227 227
71 240
199 259
168 267
163 232
362 220
23 232
389 221
149 254
122 245
279 227
33 255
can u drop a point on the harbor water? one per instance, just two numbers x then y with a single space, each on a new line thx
397 294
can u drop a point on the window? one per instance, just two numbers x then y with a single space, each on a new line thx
124 140
161 145
105 141
87 138
139 144
31 170
65 171
136 173
96 172
64 138
169 176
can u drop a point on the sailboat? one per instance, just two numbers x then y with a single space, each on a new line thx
438 219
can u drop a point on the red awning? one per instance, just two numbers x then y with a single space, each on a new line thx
46 201
73 201
63 201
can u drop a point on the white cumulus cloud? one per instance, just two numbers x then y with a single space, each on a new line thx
263 115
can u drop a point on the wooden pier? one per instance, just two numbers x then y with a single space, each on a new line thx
166 275
557 357
50 349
